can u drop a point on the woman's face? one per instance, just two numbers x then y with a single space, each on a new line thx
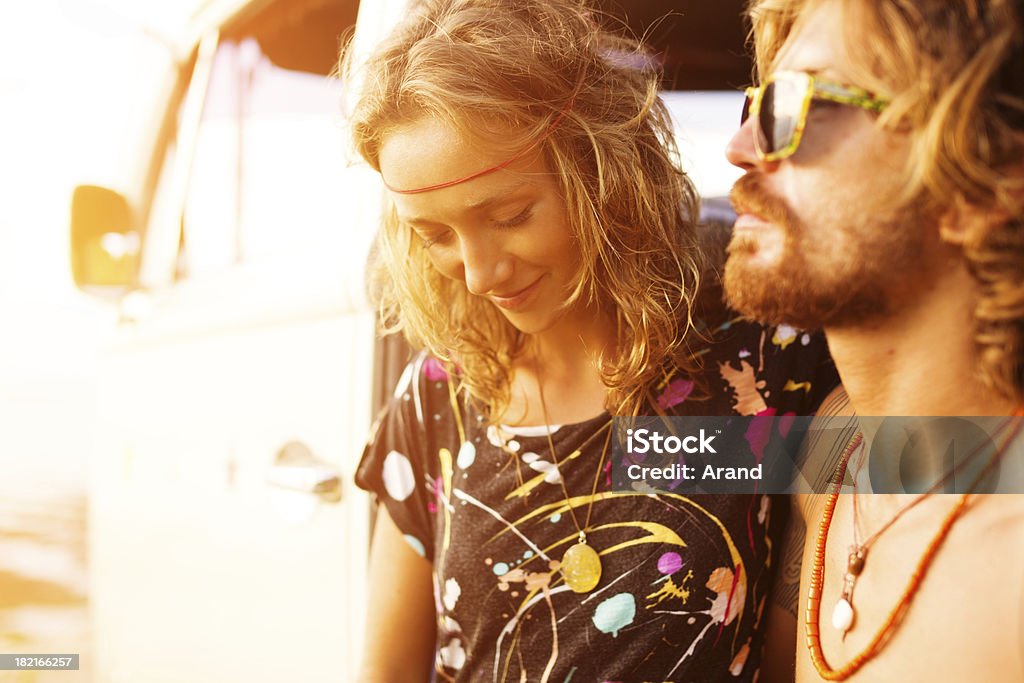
504 234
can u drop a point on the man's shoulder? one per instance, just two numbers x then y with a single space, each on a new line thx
1000 523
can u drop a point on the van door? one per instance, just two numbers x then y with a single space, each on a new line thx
226 541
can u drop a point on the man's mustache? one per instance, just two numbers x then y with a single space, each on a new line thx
749 196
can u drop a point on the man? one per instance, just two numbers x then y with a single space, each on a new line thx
882 201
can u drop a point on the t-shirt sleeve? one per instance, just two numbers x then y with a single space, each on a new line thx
394 463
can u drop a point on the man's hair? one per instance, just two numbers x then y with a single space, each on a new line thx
954 74
505 70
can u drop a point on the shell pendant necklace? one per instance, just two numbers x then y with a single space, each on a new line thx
581 564
844 615
858 557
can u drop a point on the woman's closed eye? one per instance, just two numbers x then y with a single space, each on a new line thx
516 220
430 240
443 236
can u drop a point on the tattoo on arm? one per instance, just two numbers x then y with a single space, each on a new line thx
787 579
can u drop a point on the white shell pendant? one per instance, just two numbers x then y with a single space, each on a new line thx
581 568
842 615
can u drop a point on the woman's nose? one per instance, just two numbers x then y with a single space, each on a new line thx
486 265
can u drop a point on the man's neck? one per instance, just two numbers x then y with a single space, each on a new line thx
919 361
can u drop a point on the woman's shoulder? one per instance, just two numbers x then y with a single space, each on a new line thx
424 381
421 406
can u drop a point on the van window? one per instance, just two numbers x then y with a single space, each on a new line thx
270 156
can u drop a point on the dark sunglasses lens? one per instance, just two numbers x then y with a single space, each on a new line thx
745 114
780 114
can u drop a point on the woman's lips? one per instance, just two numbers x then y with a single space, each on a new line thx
518 299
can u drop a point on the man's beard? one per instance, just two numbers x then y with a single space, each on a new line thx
827 275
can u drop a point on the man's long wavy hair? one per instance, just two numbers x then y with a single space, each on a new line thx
505 70
954 73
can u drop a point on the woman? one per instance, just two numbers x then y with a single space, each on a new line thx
540 245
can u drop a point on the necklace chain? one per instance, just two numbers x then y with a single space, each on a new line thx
858 557
896 615
581 563
561 475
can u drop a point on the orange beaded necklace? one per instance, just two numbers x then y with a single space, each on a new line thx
892 622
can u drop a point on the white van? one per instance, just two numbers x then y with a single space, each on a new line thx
227 542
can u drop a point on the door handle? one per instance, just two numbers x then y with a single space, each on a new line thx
295 468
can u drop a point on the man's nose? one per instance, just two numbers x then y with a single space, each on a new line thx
486 265
740 151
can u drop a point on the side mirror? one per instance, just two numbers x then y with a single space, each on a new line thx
105 245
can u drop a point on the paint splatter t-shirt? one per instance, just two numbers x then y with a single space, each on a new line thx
682 595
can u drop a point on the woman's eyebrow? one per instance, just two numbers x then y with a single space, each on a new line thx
500 195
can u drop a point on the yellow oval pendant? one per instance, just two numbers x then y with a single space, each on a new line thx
581 568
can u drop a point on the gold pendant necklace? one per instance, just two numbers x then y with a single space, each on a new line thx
581 563
581 566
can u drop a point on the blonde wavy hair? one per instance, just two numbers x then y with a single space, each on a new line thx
954 73
495 66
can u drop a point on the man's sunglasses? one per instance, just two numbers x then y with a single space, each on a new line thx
780 105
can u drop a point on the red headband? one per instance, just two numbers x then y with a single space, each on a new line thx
536 143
